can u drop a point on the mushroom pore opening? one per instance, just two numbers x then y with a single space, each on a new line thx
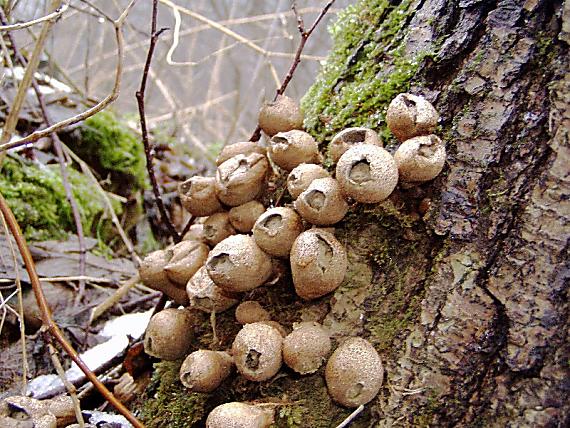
428 150
355 137
273 223
221 263
360 171
355 390
324 254
209 231
252 359
315 199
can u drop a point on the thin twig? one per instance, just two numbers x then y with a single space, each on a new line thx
53 16
351 417
114 298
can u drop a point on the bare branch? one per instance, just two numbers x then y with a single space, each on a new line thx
49 17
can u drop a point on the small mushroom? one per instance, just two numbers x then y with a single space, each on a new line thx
318 263
276 230
354 373
302 176
322 203
410 115
281 115
289 149
237 264
241 179
198 196
243 217
25 412
217 227
240 415
169 334
204 371
367 173
153 275
241 148
349 137
306 348
206 296
420 159
257 351
187 258
195 233
251 311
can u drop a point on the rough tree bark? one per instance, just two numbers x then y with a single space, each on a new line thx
461 283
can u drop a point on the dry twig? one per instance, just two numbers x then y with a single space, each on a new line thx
53 16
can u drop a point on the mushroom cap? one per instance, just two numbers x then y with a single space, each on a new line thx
241 179
206 296
282 330
367 173
318 263
292 148
198 196
240 148
153 274
195 233
354 373
302 176
257 351
276 230
281 115
243 217
306 348
239 415
237 264
420 158
349 137
323 203
217 227
187 258
204 371
169 334
410 115
251 311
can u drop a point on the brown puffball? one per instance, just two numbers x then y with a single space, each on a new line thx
289 149
302 176
251 311
243 217
195 233
349 137
169 334
276 230
217 227
153 275
410 115
306 348
239 415
420 159
204 371
241 148
257 351
354 373
198 196
237 264
318 263
322 203
367 173
281 115
241 179
187 258
206 296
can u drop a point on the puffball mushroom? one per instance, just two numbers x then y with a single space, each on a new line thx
276 229
322 203
420 159
257 351
410 115
198 196
169 334
302 176
237 264
217 227
241 148
349 137
251 311
289 149
187 258
204 371
206 296
153 274
318 263
241 179
354 373
281 115
367 173
195 233
306 348
239 415
244 216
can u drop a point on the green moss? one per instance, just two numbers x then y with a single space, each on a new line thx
36 195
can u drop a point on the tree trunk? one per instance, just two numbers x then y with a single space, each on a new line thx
461 284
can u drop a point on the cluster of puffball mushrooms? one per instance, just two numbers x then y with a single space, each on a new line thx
238 246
